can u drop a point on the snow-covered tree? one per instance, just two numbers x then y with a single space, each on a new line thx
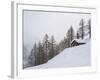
61 45
25 56
82 28
31 58
57 49
40 57
70 35
52 48
34 51
77 35
46 47
89 26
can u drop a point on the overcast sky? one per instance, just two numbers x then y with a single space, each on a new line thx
38 23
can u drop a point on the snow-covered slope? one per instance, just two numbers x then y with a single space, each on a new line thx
70 57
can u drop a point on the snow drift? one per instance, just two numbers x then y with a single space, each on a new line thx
70 57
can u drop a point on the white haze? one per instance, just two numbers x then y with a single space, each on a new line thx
38 23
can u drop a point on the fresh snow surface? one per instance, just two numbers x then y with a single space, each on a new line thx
71 57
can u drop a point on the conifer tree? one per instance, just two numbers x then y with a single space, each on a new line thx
89 25
46 47
52 48
70 35
82 28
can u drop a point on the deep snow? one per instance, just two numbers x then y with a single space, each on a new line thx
70 57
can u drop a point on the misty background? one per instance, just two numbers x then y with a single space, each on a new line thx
38 23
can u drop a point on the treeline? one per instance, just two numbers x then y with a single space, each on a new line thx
48 48
43 51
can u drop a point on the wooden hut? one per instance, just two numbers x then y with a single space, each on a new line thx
77 42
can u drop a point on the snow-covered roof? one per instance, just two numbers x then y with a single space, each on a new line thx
79 40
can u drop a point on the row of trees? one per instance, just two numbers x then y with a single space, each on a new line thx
43 51
84 29
47 49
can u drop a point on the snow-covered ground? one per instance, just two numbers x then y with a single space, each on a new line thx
70 57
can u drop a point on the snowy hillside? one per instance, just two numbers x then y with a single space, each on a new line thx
70 57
